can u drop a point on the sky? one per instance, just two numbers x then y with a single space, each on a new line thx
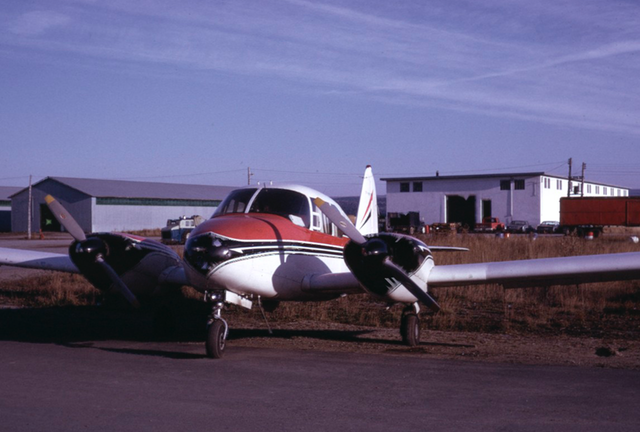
206 92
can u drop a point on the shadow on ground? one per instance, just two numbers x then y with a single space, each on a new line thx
75 324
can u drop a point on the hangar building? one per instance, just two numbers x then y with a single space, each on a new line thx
113 205
5 206
466 199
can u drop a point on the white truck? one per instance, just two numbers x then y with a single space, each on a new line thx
177 230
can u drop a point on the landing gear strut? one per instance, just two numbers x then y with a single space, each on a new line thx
410 325
217 327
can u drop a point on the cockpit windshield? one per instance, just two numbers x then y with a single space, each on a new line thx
236 202
283 202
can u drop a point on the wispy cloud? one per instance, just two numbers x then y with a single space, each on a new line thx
567 63
37 23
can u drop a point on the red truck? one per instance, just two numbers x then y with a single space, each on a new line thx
592 214
490 224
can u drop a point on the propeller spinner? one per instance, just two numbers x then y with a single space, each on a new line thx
93 247
374 257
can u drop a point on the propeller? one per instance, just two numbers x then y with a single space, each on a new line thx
92 246
65 219
377 252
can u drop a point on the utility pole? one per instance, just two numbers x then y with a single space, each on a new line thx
29 211
249 174
569 188
584 167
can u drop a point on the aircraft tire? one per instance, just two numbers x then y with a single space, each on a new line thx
410 329
215 342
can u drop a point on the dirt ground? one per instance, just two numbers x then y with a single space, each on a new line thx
487 347
91 323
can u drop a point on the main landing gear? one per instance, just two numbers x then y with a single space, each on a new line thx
217 327
410 325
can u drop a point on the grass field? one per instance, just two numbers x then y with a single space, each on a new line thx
591 309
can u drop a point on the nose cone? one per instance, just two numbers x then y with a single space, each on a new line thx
223 238
206 251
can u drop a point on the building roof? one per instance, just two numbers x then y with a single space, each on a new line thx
7 191
494 175
100 188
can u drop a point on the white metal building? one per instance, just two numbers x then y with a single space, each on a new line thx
5 207
113 205
533 197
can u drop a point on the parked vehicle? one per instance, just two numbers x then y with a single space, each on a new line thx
177 230
405 223
591 214
519 226
490 224
548 227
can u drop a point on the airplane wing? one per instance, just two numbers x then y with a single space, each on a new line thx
540 272
37 260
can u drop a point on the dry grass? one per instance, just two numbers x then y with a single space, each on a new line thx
54 289
591 309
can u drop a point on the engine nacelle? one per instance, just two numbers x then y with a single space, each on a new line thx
365 261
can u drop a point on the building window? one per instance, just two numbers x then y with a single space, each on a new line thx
559 184
604 191
547 183
505 184
417 186
404 187
518 184
588 188
597 190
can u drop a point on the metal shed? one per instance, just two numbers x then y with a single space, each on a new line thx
113 205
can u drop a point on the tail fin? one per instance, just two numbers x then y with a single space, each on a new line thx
367 219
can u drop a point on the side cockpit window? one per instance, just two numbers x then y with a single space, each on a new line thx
236 202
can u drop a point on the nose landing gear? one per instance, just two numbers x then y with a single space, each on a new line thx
217 327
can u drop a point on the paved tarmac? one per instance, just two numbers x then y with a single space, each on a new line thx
111 385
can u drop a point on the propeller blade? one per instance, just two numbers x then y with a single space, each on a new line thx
411 286
124 290
340 221
65 219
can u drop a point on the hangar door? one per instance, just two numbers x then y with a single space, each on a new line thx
461 210
48 222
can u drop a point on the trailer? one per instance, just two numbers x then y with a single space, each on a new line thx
592 214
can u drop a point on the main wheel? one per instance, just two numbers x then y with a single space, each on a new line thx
216 341
410 329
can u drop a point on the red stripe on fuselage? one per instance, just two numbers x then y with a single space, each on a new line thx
261 226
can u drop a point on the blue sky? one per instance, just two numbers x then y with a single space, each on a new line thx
312 92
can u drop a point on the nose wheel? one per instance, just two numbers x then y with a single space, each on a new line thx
217 327
216 338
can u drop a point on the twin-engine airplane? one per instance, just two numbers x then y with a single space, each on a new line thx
291 243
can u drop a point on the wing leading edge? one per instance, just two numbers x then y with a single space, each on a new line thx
540 272
37 260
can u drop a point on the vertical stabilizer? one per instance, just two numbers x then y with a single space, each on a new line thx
367 219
